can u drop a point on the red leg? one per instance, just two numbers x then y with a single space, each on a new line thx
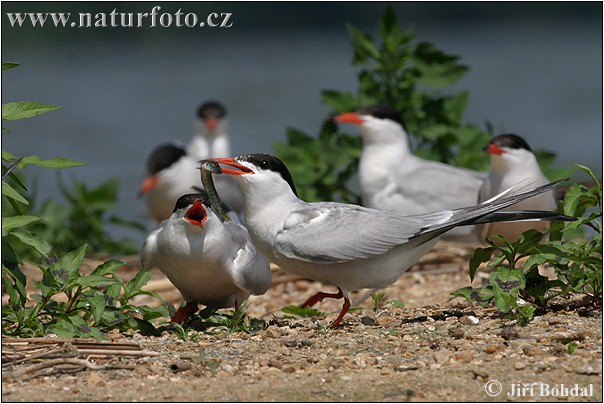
320 296
345 308
183 313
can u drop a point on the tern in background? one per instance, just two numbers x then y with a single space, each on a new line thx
171 173
210 262
513 162
350 246
394 179
212 136
211 140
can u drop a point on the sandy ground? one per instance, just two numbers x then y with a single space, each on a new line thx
434 349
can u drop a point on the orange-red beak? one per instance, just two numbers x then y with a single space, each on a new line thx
212 123
148 184
232 163
196 214
349 117
494 149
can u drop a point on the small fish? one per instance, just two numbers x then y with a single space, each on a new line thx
208 168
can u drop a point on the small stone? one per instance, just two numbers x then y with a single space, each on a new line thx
456 332
459 303
273 363
290 343
95 380
532 350
180 366
288 368
305 342
464 356
490 349
469 320
368 321
588 370
407 338
442 355
509 332
272 332
519 365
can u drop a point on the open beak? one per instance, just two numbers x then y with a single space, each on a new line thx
494 149
148 184
232 163
196 214
349 117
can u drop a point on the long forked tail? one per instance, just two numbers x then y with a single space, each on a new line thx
487 212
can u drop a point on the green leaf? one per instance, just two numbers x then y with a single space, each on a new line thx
15 222
58 162
67 267
507 284
10 192
41 246
108 267
362 44
20 110
480 255
9 65
132 288
301 311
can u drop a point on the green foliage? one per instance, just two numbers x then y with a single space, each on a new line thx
577 262
70 304
84 217
301 311
92 303
376 298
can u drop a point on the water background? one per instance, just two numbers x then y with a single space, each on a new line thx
536 70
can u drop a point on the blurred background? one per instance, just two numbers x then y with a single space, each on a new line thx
535 70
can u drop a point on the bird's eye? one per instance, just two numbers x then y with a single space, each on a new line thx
264 164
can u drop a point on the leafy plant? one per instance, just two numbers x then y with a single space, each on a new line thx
376 299
301 311
69 304
91 304
85 217
577 263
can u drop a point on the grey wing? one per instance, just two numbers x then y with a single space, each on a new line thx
330 232
252 270
452 187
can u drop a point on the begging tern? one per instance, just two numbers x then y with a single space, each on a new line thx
209 261
351 246
513 162
394 179
172 173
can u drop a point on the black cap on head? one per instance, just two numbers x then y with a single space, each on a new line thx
163 156
510 140
211 109
268 162
188 199
382 111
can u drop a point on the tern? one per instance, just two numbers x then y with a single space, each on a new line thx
513 162
394 179
209 261
171 173
350 246
212 136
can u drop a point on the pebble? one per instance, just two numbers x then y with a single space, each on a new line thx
509 332
368 321
95 380
443 355
273 363
588 370
532 350
407 338
288 368
272 332
519 365
469 320
290 343
464 356
180 366
305 342
456 332
491 349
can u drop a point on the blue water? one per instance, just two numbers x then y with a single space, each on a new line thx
535 71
